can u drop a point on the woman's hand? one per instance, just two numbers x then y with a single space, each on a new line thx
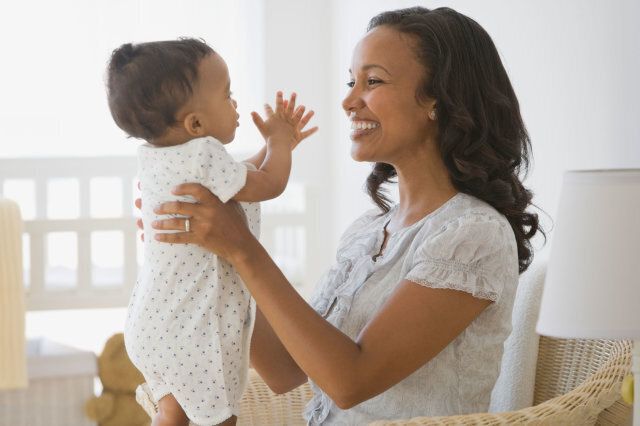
213 225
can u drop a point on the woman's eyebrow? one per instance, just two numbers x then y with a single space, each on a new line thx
367 67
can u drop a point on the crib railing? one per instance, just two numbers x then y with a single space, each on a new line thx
81 245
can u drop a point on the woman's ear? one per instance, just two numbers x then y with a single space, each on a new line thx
432 111
193 125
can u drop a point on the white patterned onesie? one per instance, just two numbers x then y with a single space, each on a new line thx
190 316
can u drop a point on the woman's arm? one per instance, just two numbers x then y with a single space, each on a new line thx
271 359
411 328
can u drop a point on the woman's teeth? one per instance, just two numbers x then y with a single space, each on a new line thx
363 125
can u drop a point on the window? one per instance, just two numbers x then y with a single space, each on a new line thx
54 60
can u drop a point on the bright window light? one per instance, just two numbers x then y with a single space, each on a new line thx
53 96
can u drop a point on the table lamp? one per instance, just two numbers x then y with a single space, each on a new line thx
592 286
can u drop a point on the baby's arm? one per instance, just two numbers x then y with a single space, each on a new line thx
283 130
258 158
271 178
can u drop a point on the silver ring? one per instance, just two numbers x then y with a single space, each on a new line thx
187 225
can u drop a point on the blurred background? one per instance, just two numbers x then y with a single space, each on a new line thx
574 66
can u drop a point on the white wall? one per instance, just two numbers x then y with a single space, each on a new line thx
574 66
298 58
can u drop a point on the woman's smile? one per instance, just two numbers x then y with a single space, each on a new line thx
361 128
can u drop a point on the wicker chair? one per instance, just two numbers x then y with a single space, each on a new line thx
577 383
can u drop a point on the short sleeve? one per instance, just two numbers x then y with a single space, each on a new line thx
471 254
217 170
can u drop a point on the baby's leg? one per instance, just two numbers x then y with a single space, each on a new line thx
231 421
170 413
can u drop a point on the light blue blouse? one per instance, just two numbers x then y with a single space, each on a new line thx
464 245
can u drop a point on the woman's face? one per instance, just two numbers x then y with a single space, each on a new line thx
387 122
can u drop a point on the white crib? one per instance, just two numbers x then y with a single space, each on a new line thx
82 205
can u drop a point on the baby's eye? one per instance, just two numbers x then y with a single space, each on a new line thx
351 83
230 94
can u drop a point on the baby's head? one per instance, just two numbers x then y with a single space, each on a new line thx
168 92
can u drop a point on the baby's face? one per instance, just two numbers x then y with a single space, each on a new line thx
212 99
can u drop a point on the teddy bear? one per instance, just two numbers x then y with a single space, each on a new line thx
117 405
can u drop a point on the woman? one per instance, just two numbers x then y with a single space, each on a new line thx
411 319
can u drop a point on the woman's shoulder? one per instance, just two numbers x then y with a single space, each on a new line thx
465 229
468 245
468 211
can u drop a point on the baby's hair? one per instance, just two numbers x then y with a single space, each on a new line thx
147 83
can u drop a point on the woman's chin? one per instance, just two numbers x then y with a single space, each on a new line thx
357 154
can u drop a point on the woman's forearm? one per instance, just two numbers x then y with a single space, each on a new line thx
324 353
271 359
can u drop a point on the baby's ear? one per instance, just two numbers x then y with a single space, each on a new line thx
193 125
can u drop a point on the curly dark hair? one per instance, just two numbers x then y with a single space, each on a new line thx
481 135
147 83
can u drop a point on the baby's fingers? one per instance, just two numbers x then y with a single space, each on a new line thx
297 116
308 133
258 121
304 120
291 104
279 102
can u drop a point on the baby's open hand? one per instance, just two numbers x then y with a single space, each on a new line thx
287 122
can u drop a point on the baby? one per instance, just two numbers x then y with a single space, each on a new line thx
190 317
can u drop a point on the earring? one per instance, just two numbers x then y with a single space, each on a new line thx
432 114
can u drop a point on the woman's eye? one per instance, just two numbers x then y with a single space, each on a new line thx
370 82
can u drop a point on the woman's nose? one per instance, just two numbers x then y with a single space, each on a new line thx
353 100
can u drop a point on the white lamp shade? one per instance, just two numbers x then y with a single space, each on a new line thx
592 287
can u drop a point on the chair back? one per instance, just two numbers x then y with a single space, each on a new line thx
515 386
537 368
564 364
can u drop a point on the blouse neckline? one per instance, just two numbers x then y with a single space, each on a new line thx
380 233
419 221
